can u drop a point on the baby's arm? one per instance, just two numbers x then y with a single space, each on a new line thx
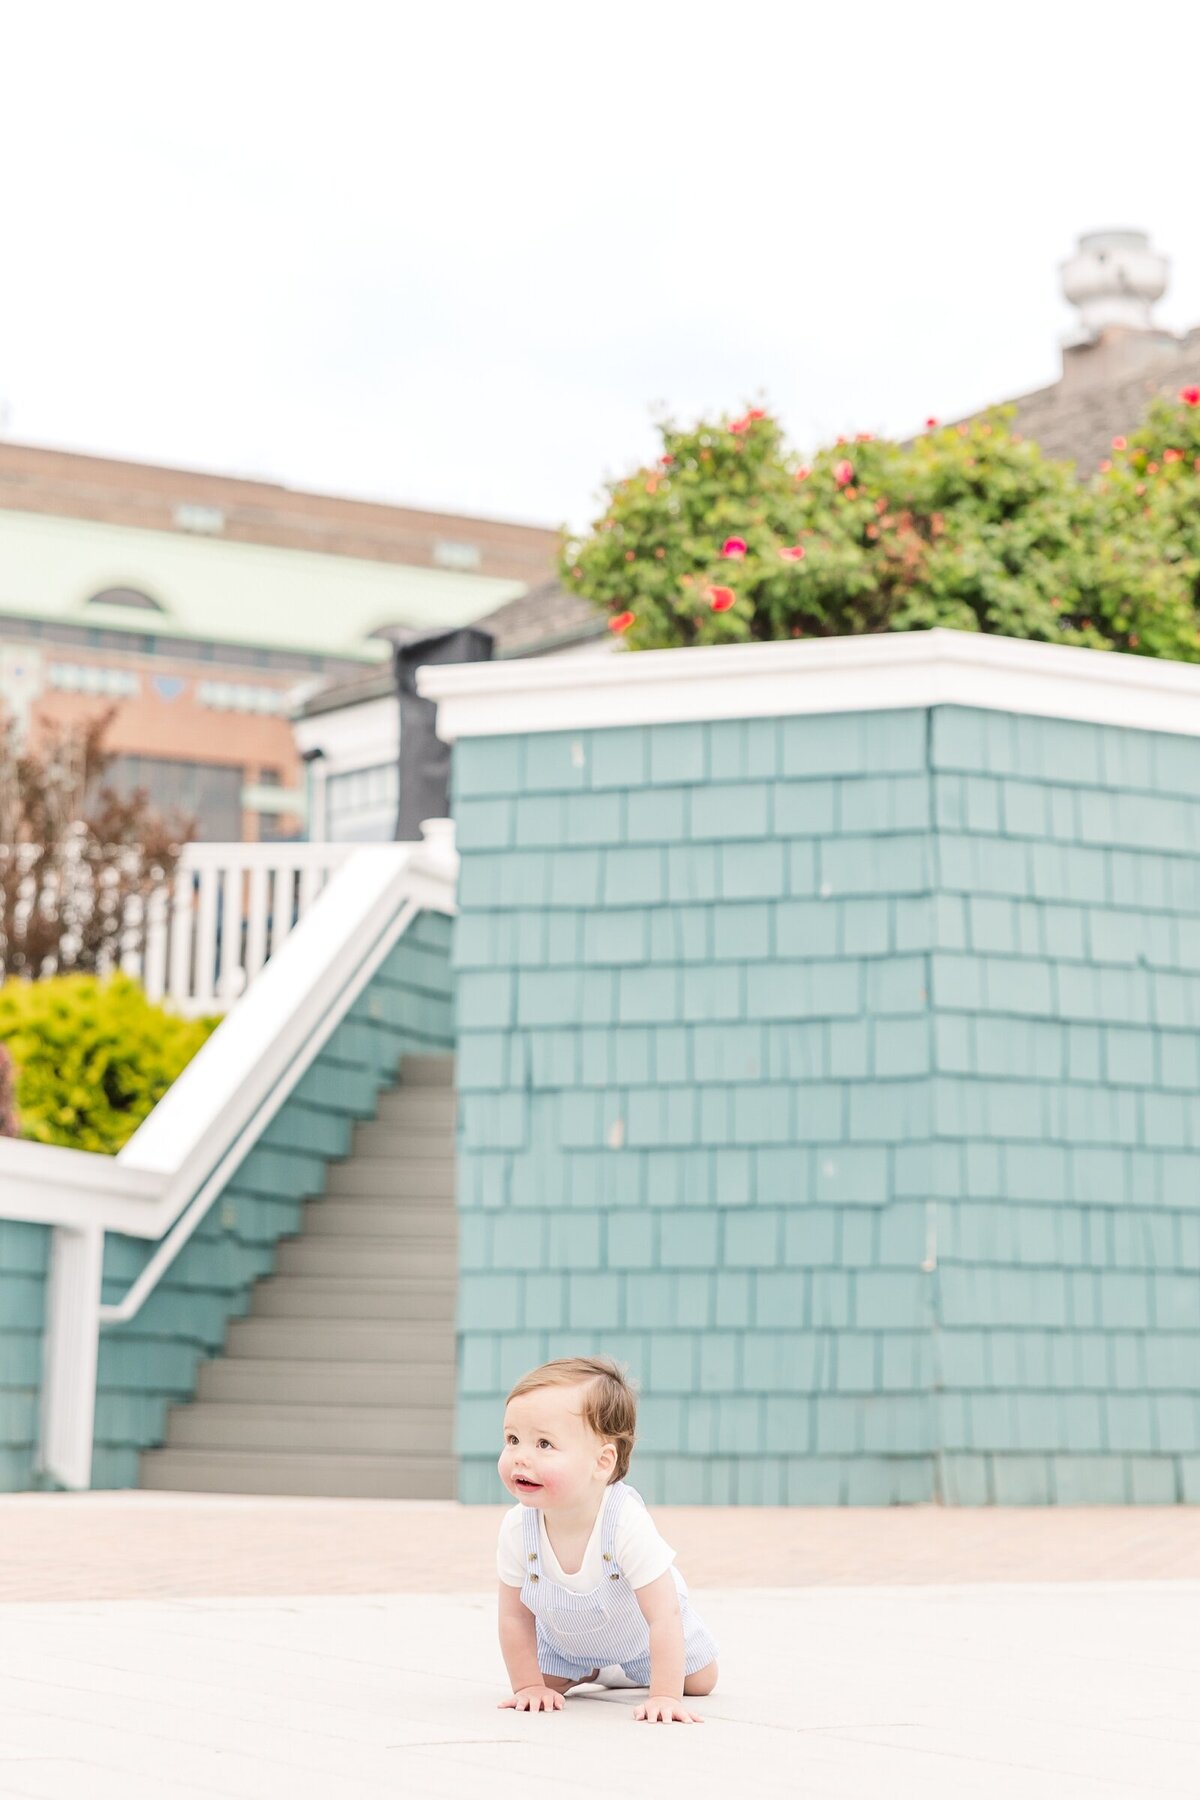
659 1601
518 1645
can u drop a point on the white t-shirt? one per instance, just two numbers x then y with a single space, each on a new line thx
642 1555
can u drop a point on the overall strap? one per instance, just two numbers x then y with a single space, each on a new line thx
531 1540
614 1500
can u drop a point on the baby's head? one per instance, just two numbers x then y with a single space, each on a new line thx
567 1426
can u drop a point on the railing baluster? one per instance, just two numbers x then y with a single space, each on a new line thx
282 903
179 986
130 936
230 978
205 972
310 885
154 975
256 927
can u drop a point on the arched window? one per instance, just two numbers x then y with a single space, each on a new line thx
125 596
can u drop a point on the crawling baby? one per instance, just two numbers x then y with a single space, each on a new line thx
588 1589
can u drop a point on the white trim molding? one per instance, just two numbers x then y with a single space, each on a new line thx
851 674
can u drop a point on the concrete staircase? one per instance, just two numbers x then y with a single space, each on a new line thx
341 1379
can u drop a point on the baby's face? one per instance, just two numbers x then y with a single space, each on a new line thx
550 1456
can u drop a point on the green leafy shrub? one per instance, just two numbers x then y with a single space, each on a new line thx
92 1056
730 537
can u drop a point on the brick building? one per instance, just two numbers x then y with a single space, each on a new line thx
202 607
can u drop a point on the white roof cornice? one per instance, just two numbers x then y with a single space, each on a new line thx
850 674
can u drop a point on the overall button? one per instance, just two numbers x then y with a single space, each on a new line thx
607 1557
614 1578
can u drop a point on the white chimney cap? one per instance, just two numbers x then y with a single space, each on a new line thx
1113 278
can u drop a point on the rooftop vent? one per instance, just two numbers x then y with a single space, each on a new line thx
1114 278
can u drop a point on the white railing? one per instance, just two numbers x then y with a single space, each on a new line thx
178 1161
199 945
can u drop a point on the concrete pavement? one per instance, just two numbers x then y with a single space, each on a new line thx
1042 1689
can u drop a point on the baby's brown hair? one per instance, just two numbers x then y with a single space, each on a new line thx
609 1400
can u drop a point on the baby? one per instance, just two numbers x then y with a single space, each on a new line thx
588 1589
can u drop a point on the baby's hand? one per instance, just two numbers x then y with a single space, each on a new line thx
534 1699
661 1709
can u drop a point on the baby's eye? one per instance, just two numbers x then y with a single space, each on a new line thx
547 1443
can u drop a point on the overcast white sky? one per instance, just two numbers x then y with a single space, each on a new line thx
456 255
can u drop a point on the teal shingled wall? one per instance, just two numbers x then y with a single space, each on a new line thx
151 1363
694 1043
753 1016
24 1253
1066 993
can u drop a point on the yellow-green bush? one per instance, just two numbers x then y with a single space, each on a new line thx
92 1056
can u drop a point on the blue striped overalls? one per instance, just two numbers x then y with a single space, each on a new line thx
577 1633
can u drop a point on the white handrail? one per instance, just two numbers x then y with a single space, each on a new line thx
178 1161
194 1213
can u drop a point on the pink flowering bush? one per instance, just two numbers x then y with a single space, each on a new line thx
730 538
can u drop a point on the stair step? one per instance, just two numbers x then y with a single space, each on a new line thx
394 1143
290 1472
250 1380
349 1340
355 1297
403 1221
427 1071
352 1430
393 1177
426 1108
384 1257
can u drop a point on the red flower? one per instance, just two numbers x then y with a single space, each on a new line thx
738 426
666 461
1190 396
733 546
843 472
931 424
721 598
622 621
1105 466
864 437
756 412
803 474
1119 443
792 552
1172 456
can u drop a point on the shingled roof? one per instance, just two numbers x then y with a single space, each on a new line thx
540 622
1104 393
544 619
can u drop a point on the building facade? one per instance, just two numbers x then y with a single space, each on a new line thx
200 608
828 1045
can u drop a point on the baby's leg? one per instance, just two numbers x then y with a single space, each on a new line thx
561 1683
703 1681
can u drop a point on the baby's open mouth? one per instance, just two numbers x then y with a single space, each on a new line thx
521 1482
